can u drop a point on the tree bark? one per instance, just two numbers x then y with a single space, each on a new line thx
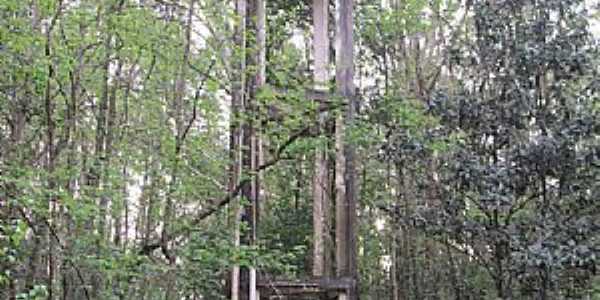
237 99
259 15
255 21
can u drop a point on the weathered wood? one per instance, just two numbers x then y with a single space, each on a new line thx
330 286
320 191
345 168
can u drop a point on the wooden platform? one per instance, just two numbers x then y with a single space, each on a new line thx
330 287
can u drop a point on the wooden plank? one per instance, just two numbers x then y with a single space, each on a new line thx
305 287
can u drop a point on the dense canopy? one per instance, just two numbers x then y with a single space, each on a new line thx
322 149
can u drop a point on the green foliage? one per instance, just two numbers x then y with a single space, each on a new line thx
115 155
522 133
38 292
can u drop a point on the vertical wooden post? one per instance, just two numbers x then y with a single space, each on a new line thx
253 292
321 199
343 296
346 197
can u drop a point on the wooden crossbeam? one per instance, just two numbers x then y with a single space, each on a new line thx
329 286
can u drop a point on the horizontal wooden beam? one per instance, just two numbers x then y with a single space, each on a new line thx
305 287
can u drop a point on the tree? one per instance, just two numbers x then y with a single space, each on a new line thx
518 184
156 149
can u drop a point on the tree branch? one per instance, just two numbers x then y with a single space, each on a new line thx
203 214
60 245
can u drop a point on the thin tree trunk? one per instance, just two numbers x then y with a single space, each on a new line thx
50 164
68 275
259 15
254 21
122 215
98 165
394 242
178 103
237 99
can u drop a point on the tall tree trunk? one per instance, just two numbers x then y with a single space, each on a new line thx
395 286
255 20
69 229
96 172
121 215
237 99
259 16
50 166
178 110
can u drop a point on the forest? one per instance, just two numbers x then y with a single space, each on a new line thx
309 149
